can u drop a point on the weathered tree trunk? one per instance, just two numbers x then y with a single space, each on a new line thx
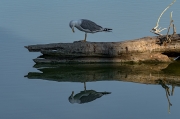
145 49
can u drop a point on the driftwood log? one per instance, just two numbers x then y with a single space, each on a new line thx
146 49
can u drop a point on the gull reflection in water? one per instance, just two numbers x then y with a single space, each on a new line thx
85 96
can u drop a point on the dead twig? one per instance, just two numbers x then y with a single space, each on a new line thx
157 30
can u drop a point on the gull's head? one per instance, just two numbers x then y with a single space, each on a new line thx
72 25
71 98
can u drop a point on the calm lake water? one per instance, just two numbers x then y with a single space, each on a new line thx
42 91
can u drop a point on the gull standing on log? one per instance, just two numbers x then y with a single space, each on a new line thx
87 26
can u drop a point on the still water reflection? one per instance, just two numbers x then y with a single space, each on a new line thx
137 91
166 76
86 96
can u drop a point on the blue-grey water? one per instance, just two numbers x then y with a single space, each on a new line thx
42 21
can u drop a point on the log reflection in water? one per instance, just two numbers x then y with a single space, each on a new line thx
138 73
155 74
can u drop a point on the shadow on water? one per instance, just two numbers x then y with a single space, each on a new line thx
86 96
162 74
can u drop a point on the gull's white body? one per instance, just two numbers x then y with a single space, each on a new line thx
87 26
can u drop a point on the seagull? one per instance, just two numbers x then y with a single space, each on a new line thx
87 26
86 96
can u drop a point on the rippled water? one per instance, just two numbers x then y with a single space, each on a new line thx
43 91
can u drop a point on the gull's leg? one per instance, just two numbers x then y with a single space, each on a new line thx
84 86
85 37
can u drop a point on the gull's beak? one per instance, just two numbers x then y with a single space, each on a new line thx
73 30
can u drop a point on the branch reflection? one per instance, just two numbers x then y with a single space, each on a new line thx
167 90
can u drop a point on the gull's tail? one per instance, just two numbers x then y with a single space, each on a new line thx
107 29
105 93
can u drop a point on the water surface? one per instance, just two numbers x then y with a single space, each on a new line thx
136 91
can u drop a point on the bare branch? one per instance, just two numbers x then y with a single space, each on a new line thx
157 24
157 30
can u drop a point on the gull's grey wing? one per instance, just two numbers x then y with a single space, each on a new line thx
89 98
87 24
